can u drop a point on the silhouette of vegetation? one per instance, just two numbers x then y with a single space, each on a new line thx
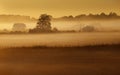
88 28
55 29
95 47
19 27
16 18
101 16
43 24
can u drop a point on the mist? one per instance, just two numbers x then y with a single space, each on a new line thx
106 32
77 25
102 25
58 40
59 37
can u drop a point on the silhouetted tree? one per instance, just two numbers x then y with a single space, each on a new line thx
70 17
44 23
79 16
112 14
91 16
88 28
102 14
19 27
64 17
55 29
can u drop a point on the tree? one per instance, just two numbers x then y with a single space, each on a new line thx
102 14
44 24
55 29
112 14
70 17
88 28
19 27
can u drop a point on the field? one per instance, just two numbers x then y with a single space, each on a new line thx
88 60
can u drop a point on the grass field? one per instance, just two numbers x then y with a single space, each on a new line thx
88 60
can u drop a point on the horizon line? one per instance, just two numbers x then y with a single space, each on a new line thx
61 15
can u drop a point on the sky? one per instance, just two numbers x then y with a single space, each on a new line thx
58 8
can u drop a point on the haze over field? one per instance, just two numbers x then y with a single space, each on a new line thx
59 37
72 25
59 40
65 16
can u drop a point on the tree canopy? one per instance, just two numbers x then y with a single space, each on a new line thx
43 24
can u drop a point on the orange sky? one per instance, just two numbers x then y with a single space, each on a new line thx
58 8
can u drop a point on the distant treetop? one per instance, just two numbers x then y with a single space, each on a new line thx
101 16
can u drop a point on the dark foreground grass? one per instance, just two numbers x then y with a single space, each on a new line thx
42 60
87 47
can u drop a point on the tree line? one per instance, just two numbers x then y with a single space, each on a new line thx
22 18
101 16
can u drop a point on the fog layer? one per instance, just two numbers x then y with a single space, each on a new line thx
60 40
73 25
